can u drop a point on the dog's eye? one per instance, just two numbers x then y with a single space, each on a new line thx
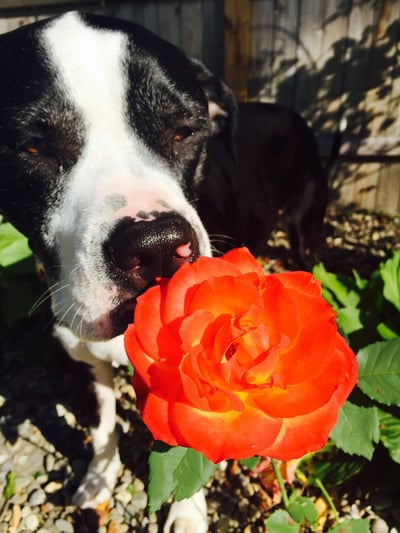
182 133
35 146
31 149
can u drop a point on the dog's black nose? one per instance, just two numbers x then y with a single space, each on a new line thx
144 250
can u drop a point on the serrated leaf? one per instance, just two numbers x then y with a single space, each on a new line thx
281 522
379 371
176 471
331 467
390 273
352 526
303 511
13 245
193 472
162 462
357 430
390 433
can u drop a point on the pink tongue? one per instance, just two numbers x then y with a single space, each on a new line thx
184 250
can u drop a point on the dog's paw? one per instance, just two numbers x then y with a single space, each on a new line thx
188 516
98 484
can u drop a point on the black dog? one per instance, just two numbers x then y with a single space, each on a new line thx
273 166
106 134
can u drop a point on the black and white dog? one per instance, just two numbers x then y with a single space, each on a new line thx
106 136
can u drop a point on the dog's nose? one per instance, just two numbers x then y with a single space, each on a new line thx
144 250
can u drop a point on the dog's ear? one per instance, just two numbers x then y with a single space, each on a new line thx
222 105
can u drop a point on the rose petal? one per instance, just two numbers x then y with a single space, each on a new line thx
180 288
225 295
287 401
306 322
244 261
193 327
222 436
156 340
304 434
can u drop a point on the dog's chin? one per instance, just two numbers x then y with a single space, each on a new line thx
106 327
122 316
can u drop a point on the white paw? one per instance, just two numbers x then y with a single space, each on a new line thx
98 484
188 516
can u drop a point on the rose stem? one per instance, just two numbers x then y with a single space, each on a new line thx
281 483
327 496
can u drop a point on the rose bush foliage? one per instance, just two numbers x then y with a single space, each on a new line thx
234 363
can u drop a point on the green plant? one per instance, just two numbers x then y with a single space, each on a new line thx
19 286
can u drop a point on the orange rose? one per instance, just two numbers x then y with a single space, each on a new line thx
235 363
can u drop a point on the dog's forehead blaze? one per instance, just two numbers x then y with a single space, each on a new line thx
90 63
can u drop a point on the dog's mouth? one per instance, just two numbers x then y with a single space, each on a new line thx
122 316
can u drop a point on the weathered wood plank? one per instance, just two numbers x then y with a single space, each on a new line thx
7 4
262 50
285 50
192 28
238 45
388 191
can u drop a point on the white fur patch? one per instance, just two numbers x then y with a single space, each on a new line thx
91 71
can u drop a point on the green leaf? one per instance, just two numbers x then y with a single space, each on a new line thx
361 283
386 332
178 471
349 319
379 371
281 522
251 463
303 511
13 245
340 287
192 473
330 466
10 487
359 525
390 433
390 273
357 430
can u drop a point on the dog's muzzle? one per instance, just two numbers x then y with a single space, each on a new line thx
138 252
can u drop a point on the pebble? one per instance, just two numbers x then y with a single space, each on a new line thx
138 485
123 496
138 502
37 497
53 486
49 462
32 522
15 516
379 526
64 525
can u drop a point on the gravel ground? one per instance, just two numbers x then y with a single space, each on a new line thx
46 406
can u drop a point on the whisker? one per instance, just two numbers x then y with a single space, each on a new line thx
69 308
77 314
47 295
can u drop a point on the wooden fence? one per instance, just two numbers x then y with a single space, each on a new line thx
336 61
